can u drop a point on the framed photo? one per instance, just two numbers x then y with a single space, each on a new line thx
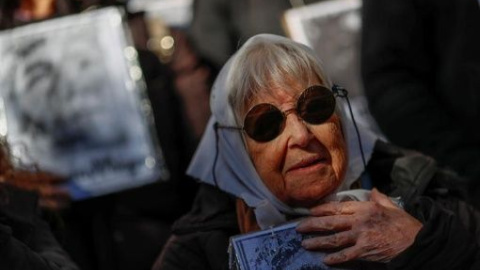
332 29
276 248
73 102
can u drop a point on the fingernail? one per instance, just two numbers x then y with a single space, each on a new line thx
299 227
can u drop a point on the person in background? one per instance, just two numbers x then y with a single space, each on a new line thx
220 27
421 72
193 79
26 241
125 230
279 147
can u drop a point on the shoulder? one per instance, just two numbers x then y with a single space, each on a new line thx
449 238
199 250
212 209
400 172
200 238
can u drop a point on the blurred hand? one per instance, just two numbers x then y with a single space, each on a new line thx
52 195
184 58
376 230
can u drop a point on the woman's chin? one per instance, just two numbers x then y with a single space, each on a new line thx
308 201
310 189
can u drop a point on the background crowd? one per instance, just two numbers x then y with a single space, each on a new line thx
420 68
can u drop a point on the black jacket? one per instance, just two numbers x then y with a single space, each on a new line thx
26 242
448 240
421 70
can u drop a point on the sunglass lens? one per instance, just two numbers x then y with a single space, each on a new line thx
264 122
316 105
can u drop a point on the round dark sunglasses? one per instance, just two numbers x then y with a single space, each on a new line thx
264 122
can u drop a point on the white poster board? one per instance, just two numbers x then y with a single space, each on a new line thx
74 103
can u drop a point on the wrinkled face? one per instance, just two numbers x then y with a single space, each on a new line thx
305 162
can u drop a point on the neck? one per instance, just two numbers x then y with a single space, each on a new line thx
246 218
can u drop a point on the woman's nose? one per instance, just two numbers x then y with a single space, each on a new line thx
298 132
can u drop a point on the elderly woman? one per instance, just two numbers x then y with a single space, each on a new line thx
279 147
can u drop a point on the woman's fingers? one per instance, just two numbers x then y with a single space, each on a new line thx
48 186
343 255
325 224
54 197
51 191
365 251
49 177
376 230
335 240
351 207
337 208
54 204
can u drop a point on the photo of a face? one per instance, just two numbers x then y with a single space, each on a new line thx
63 93
72 105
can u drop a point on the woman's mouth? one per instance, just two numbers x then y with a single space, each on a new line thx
306 165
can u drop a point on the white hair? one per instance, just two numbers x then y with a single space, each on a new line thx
263 64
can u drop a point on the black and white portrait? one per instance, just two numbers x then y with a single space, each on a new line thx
275 248
73 103
61 96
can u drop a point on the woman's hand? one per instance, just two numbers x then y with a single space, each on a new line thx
376 230
52 195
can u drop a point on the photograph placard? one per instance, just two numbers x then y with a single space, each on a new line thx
276 248
74 103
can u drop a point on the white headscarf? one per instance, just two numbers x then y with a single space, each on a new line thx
234 171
